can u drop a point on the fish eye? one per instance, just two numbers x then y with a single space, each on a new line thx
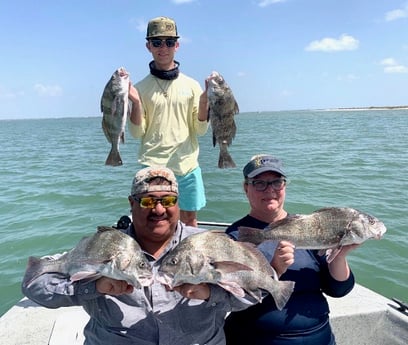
371 221
174 261
142 264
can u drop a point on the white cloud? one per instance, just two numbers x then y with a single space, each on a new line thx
266 3
397 14
344 42
48 90
139 24
396 69
392 66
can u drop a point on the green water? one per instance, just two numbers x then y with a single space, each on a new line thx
55 188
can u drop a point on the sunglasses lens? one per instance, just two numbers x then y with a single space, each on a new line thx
170 42
169 201
156 43
147 202
151 202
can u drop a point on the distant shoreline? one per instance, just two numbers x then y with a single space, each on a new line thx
392 107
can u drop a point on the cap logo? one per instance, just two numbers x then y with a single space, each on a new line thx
169 27
259 161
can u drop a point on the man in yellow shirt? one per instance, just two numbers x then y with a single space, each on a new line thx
169 112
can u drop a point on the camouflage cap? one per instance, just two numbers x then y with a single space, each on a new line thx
261 163
161 26
154 179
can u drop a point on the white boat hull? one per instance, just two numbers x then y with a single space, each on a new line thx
363 317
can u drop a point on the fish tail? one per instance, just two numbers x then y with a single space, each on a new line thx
34 269
282 292
252 235
114 158
225 160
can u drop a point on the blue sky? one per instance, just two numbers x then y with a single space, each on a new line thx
56 56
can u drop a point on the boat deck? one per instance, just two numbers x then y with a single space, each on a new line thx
363 317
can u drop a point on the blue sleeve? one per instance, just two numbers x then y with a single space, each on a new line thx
331 286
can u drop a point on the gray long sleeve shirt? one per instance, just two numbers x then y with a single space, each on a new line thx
147 316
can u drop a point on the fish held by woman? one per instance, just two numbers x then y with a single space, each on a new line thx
328 228
108 252
115 109
213 257
222 109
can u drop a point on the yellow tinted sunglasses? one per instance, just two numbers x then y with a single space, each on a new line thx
151 201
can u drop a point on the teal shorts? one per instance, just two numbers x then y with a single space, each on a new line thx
191 191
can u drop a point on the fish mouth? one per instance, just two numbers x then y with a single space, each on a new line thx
164 279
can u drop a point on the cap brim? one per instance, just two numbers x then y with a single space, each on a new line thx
264 169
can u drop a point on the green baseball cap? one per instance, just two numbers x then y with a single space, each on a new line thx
161 27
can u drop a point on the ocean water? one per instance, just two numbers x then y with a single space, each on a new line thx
55 187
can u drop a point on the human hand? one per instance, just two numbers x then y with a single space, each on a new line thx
343 251
133 93
198 291
283 257
113 287
338 266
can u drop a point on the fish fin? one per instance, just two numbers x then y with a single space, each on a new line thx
214 140
332 253
236 108
257 294
253 235
225 160
91 275
281 292
114 158
289 218
232 287
230 266
33 270
103 228
248 246
36 267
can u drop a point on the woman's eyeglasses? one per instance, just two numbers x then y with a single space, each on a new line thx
151 202
157 42
261 185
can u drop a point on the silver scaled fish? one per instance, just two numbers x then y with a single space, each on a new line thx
213 257
327 228
115 109
222 109
109 252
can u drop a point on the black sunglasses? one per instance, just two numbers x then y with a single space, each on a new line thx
157 42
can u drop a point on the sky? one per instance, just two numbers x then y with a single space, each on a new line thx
57 56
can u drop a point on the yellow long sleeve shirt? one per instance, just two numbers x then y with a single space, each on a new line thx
170 127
